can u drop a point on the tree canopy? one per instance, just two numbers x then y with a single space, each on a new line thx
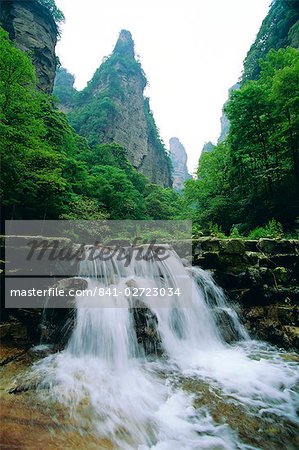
49 171
254 175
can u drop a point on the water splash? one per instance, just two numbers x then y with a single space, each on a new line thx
108 382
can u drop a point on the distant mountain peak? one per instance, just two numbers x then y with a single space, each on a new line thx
125 45
179 159
112 108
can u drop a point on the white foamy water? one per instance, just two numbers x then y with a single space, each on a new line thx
110 385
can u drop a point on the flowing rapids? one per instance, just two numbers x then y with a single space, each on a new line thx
139 401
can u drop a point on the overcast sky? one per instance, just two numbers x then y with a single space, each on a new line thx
191 50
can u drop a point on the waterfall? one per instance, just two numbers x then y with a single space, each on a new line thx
111 382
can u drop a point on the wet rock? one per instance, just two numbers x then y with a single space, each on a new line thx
273 332
14 330
10 353
288 315
250 245
146 323
251 258
21 325
232 281
232 246
269 246
293 336
281 274
18 331
257 312
58 322
5 329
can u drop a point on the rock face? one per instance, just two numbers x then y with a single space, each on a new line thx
64 89
32 27
280 29
262 278
208 147
112 108
179 162
224 119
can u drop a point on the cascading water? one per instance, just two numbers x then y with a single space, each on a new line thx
137 400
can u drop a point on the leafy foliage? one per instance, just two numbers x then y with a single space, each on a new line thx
57 14
95 109
253 176
48 171
279 30
273 229
63 88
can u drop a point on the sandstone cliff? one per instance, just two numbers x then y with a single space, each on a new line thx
112 108
224 119
179 162
34 30
208 147
64 90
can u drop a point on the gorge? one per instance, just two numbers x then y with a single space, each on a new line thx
195 351
112 108
140 399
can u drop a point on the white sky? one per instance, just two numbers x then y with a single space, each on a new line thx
192 51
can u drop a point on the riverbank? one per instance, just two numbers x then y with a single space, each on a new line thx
262 278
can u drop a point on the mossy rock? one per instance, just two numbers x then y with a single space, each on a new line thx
250 245
14 330
252 258
232 247
277 246
208 244
211 261
281 275
232 281
268 246
234 261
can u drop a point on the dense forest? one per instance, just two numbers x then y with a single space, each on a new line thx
49 171
248 185
253 176
279 29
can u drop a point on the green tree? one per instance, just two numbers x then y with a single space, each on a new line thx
30 170
112 188
163 203
252 177
57 14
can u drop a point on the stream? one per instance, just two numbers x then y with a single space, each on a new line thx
208 385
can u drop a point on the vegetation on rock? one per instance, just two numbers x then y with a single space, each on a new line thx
57 14
49 171
112 108
279 29
253 176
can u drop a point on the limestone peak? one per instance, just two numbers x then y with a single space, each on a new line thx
125 44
